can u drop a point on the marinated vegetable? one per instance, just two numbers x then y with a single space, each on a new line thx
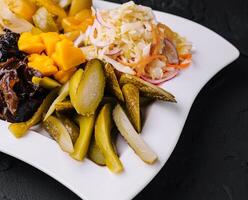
19 129
132 137
44 20
147 89
81 146
112 82
91 88
70 126
63 93
95 153
64 106
58 131
103 139
46 82
73 87
78 5
131 94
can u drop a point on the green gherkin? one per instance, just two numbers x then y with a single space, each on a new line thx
147 89
112 82
131 94
91 88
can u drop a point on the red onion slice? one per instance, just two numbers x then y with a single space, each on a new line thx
170 52
113 52
167 77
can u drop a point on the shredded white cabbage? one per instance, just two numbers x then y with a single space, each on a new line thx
127 27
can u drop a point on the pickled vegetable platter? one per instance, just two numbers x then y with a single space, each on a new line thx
86 73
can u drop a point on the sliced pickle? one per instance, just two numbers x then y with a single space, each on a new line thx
103 128
45 82
58 131
134 139
71 127
91 88
95 154
112 82
63 93
64 106
73 86
20 129
131 94
81 146
147 89
44 20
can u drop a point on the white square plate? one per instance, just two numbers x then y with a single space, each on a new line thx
163 125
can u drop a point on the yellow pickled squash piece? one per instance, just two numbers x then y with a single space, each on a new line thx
30 44
51 7
103 128
42 63
63 76
73 35
44 20
23 8
66 56
50 40
78 5
80 21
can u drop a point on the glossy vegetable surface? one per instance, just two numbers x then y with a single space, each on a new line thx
91 88
58 131
63 93
45 82
134 139
132 99
103 139
147 89
112 82
81 146
19 129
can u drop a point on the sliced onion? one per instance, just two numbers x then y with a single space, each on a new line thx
167 77
118 66
80 40
113 52
170 52
100 19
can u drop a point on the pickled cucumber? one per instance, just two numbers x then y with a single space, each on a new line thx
19 129
131 94
63 93
73 86
134 139
58 131
103 128
112 82
81 146
45 82
44 20
95 154
91 88
64 106
70 126
147 89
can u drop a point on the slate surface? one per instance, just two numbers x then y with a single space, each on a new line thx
210 160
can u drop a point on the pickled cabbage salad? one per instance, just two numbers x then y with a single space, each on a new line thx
130 38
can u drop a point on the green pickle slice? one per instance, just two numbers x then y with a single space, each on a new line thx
131 94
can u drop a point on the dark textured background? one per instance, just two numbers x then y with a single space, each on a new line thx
210 160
